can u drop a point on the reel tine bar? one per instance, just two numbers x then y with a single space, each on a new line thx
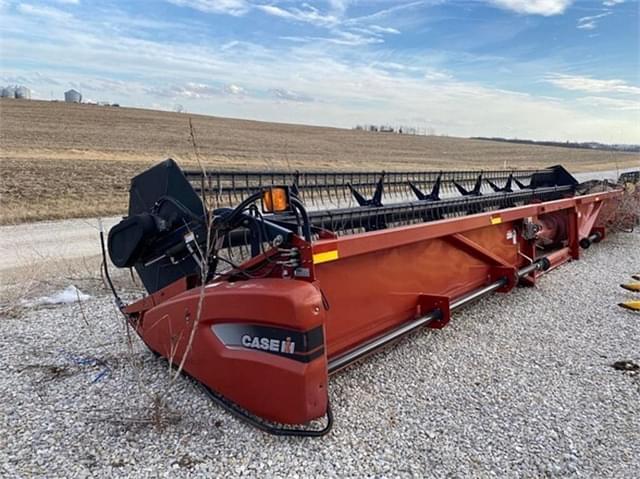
331 189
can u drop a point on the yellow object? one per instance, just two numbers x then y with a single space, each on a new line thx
275 200
496 220
325 257
635 287
633 305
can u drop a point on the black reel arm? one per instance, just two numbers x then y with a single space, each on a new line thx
166 234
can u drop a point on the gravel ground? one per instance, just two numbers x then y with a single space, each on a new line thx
519 385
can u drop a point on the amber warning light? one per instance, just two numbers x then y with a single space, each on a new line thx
275 199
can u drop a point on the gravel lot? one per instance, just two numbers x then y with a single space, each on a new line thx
517 385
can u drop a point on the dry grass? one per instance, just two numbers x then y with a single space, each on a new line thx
63 161
33 279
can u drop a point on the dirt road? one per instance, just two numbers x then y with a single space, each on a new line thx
46 245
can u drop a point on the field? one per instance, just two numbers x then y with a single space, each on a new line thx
63 161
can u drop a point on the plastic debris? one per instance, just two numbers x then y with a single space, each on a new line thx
70 294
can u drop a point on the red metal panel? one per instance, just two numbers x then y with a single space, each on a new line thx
474 249
587 213
372 292
274 387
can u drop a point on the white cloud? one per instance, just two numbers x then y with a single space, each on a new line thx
612 3
353 38
534 7
288 95
339 38
587 26
591 85
229 7
68 2
192 90
611 103
379 29
188 90
342 30
339 6
29 78
436 75
590 22
276 11
398 7
594 17
308 14
44 12
233 89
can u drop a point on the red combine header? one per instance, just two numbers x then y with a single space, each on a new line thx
262 285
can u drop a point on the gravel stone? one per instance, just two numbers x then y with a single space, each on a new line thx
517 385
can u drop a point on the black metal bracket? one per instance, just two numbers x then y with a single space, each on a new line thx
476 191
376 200
521 185
294 185
435 191
507 188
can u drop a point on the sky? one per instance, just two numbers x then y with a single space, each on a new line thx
566 70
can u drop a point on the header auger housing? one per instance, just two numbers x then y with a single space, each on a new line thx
274 303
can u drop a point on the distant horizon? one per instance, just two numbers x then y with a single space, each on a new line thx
318 125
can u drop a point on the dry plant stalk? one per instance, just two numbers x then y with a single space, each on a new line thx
204 255
159 408
158 413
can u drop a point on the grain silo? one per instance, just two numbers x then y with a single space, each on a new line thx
22 92
8 92
73 96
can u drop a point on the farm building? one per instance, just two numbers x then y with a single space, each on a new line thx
73 96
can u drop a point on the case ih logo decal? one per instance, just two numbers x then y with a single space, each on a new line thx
296 345
269 344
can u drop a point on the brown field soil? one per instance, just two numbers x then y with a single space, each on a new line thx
63 160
